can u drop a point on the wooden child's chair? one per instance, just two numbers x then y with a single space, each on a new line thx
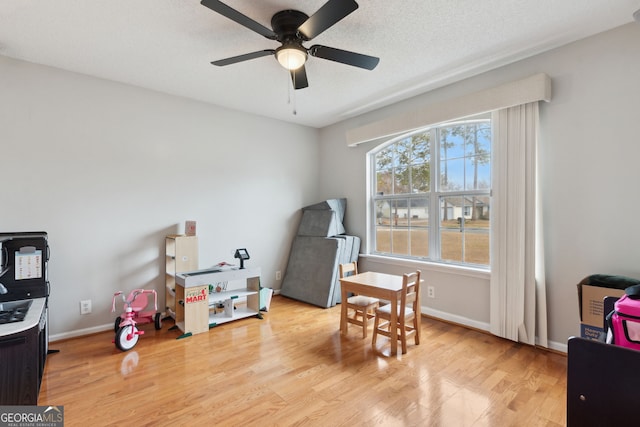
363 307
408 322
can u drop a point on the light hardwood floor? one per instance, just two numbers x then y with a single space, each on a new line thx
294 368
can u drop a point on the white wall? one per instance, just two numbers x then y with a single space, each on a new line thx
108 170
589 137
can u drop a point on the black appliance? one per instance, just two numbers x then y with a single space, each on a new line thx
23 266
24 292
14 311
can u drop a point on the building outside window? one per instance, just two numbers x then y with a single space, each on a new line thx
431 194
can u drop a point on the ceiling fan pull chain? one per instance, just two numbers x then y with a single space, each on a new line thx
291 98
294 95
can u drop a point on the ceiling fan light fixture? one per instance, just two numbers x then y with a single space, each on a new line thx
291 56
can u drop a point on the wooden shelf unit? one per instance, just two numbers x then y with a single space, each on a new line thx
181 255
196 310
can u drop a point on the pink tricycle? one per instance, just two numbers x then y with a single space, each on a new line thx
125 325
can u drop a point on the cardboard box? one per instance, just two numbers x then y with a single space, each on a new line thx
591 332
592 309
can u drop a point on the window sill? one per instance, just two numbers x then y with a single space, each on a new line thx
480 273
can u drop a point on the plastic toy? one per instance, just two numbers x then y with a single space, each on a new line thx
125 325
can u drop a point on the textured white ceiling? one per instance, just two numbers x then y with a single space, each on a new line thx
167 45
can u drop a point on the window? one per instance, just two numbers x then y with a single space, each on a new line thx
431 194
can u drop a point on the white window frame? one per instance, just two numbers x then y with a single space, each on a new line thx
434 195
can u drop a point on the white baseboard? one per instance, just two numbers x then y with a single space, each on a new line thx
560 347
80 332
454 318
482 326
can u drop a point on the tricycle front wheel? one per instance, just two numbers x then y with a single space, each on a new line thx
126 337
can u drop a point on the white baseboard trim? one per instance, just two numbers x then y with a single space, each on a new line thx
80 332
559 347
454 318
482 326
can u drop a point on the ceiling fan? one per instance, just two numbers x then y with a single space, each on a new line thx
291 28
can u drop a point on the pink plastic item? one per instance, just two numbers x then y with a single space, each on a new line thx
626 322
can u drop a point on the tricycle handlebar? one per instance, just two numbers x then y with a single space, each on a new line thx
134 294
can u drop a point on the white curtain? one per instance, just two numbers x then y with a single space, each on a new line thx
518 297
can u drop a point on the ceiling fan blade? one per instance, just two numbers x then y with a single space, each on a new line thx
330 13
344 56
245 57
299 78
234 15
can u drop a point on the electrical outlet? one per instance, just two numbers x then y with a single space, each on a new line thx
85 306
431 292
278 275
